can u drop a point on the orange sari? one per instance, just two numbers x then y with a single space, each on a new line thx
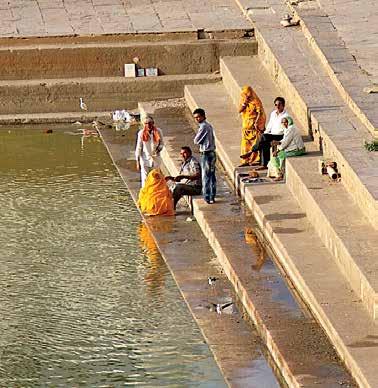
253 115
155 198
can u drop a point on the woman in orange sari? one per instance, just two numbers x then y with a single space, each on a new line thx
253 117
155 198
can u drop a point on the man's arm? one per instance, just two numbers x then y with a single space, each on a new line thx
201 135
269 126
161 142
138 150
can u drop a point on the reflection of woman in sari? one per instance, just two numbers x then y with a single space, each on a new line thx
258 250
155 197
253 117
155 277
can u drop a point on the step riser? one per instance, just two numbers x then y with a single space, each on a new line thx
108 61
355 187
330 239
313 211
99 96
351 181
301 286
256 202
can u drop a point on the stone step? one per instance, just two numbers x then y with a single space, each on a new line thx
341 65
107 59
306 260
296 342
53 118
99 93
235 344
334 126
291 61
339 222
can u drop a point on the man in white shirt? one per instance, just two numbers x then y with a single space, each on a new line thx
147 151
273 131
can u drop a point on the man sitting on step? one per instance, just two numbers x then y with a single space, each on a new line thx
190 174
272 132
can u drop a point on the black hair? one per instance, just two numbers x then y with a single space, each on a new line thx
280 99
187 149
199 111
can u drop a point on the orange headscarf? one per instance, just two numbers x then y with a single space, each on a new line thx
147 129
248 94
155 198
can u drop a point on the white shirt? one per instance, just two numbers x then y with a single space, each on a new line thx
147 152
292 139
274 126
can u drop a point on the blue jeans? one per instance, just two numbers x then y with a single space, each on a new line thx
209 181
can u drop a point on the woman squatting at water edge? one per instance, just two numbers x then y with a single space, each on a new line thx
148 147
155 198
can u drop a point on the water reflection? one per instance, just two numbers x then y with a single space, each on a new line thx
156 269
259 252
81 303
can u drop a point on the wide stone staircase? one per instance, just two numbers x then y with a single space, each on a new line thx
319 230
43 81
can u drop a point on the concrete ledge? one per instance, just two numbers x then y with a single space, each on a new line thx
42 61
100 94
53 118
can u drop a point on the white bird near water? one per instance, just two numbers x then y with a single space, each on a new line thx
83 105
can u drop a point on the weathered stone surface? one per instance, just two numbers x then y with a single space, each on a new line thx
307 261
297 345
82 17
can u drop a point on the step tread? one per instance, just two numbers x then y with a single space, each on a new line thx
281 318
332 300
51 117
352 227
100 80
350 222
335 203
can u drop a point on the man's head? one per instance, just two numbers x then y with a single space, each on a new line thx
199 115
149 122
185 153
286 121
279 104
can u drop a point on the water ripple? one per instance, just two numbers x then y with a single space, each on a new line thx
85 298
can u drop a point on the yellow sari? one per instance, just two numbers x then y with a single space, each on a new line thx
155 198
253 115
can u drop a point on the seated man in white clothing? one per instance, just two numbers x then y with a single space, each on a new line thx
291 145
189 182
273 131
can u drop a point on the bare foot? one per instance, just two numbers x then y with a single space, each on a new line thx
279 178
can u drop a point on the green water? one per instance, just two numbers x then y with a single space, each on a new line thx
85 299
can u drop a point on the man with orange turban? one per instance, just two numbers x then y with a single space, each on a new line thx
148 147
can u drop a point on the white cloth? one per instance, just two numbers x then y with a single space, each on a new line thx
292 139
148 154
121 115
274 126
